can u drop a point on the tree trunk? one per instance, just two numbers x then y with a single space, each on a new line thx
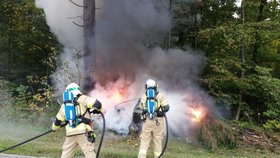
89 45
168 40
195 25
242 60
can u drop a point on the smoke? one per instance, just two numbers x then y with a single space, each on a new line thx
128 39
124 30
14 131
60 16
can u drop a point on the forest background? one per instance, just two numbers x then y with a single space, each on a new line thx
241 45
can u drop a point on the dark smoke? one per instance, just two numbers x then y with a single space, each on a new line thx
124 31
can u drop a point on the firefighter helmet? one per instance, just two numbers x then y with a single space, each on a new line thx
74 88
150 83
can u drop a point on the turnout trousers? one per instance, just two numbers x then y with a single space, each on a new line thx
151 129
71 142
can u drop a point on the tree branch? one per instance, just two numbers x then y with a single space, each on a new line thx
78 4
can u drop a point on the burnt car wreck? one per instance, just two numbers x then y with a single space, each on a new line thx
136 123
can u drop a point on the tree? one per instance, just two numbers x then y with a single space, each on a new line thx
225 46
26 41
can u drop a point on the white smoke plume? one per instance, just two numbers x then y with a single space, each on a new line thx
60 15
129 35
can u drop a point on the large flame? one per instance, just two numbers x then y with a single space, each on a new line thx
197 115
117 94
196 112
117 97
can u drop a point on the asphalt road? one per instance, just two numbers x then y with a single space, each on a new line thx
14 156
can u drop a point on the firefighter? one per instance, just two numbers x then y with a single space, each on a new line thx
154 105
79 133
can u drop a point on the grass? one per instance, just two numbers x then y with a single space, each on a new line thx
113 146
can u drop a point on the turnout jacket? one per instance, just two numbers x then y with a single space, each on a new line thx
84 103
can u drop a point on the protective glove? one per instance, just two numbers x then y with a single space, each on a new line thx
97 104
165 108
54 127
96 111
162 110
144 112
84 120
160 113
91 136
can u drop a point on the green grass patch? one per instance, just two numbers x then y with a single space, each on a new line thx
113 146
126 147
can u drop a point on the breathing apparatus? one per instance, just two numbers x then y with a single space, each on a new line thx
70 97
70 109
151 102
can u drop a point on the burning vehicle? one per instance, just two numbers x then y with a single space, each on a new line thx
136 123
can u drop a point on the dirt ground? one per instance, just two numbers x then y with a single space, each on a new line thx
260 140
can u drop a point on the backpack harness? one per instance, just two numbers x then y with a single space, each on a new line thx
70 107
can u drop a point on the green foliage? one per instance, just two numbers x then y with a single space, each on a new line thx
21 98
42 93
42 104
28 55
5 96
34 108
268 106
259 37
15 99
190 16
26 41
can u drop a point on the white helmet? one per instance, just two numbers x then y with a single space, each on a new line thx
151 84
74 88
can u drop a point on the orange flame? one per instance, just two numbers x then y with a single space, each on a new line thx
117 94
117 97
197 115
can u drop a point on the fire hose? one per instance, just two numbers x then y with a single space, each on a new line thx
33 138
38 136
166 139
102 135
